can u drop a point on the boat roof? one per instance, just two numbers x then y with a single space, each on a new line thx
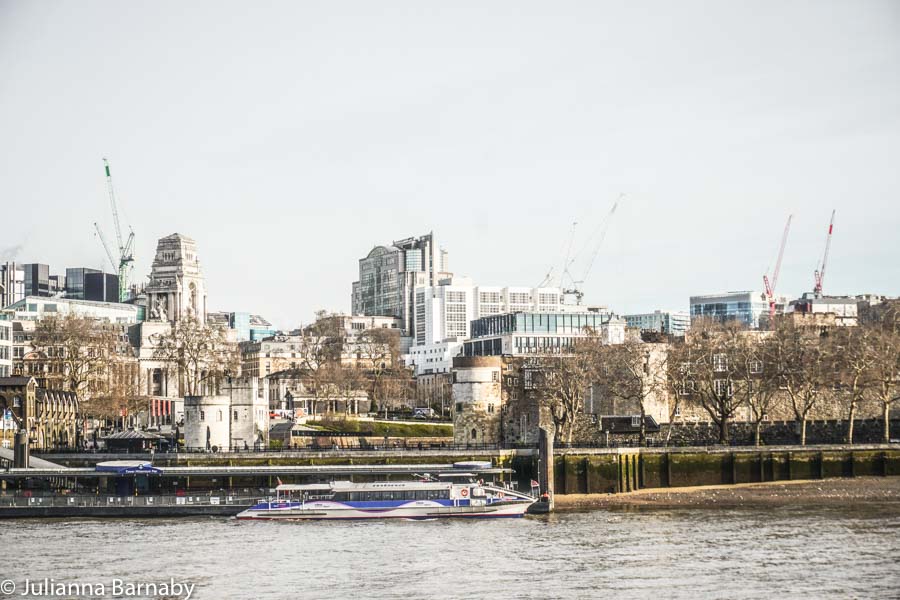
365 485
291 487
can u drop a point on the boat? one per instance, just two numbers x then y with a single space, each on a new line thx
430 498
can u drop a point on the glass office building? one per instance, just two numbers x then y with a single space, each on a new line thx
75 281
674 323
746 307
539 333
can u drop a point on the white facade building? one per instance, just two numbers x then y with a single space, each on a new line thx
444 313
5 348
35 308
12 283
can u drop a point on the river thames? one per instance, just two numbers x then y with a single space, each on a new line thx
770 552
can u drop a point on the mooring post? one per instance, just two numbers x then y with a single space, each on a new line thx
545 475
20 450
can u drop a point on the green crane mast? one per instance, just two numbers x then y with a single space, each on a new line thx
125 249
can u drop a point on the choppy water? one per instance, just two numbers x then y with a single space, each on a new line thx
650 553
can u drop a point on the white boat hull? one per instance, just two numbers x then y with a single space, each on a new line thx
327 510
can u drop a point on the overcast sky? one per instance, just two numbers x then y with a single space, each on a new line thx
289 138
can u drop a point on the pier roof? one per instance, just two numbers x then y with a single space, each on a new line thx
255 471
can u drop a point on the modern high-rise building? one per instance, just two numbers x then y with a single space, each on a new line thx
37 279
389 275
101 287
443 315
75 281
5 347
744 306
668 322
12 283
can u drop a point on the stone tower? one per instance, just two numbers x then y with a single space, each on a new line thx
177 287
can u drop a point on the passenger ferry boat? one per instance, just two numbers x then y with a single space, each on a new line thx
429 499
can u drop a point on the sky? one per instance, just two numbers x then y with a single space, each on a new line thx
289 138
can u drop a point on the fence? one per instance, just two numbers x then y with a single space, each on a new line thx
22 500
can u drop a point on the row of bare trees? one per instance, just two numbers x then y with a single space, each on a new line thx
337 366
89 357
724 370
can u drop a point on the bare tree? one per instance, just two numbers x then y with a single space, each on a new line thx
562 382
758 367
76 354
633 373
852 360
377 352
717 382
801 363
679 381
201 353
886 372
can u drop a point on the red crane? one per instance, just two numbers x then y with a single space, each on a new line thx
820 270
770 285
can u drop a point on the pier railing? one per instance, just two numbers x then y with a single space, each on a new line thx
150 500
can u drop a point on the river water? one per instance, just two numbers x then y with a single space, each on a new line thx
647 553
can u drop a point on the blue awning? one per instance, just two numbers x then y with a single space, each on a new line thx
127 467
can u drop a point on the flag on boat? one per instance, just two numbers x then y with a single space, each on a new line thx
535 484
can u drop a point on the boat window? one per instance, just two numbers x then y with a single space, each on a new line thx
341 496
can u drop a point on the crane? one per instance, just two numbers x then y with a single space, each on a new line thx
820 269
599 234
125 249
770 285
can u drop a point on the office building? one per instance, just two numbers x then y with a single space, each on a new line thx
443 314
245 327
744 306
101 287
5 347
389 275
75 281
12 283
37 279
667 322
33 308
519 334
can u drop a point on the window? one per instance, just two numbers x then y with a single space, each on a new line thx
756 367
720 362
495 375
636 421
474 433
219 416
490 408
202 416
723 388
235 416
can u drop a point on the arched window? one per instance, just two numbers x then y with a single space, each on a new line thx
474 433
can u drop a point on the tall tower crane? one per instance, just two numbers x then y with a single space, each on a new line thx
820 269
770 285
125 249
599 235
